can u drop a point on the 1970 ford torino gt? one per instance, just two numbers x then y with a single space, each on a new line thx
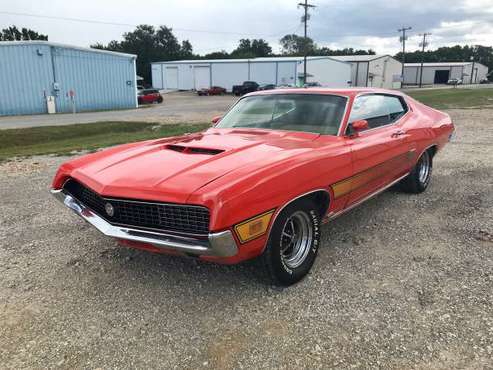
260 181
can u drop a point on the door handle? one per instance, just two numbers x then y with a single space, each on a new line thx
398 133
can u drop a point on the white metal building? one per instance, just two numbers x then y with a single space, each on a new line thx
440 73
198 74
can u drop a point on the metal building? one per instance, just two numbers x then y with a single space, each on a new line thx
381 71
199 74
45 77
440 73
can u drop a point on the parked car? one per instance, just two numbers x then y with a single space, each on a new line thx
147 96
245 88
266 87
454 81
261 181
312 84
485 81
286 86
214 90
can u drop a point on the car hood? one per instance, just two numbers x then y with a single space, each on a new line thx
172 169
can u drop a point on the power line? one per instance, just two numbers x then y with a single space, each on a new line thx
92 21
403 39
306 6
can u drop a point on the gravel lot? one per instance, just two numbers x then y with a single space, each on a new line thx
402 282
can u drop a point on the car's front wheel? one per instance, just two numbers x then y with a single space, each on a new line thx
419 178
293 243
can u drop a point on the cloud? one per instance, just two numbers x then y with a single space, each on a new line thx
334 23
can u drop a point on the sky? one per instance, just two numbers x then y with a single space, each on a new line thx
212 25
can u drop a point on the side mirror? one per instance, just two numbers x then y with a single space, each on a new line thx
359 125
215 120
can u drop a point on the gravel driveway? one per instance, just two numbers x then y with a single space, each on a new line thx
404 281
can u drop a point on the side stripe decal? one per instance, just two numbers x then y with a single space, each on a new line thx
361 179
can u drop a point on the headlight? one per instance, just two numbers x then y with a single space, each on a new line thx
253 227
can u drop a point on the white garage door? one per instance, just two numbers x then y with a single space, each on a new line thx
171 77
157 76
202 77
263 73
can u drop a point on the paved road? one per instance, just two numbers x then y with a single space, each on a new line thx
177 108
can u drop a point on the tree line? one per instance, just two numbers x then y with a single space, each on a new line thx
153 44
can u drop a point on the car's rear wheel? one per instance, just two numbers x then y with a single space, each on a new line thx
293 243
419 178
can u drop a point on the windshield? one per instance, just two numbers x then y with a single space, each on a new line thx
293 112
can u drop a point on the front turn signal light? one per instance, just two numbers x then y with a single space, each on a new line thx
253 227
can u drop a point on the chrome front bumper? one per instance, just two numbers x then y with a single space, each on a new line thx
220 244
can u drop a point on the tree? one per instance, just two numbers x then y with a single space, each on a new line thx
346 51
295 45
12 33
223 54
150 45
252 49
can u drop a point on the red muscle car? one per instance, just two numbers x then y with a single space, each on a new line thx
262 180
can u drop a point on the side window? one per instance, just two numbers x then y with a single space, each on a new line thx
378 110
396 108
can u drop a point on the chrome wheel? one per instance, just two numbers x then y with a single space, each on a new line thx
296 239
424 168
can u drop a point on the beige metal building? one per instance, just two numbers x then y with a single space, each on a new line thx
382 71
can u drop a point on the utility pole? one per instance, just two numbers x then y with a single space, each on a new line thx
305 51
472 68
423 44
403 39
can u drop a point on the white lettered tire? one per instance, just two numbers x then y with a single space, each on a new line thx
293 243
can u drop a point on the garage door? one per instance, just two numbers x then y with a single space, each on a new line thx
171 77
202 76
157 76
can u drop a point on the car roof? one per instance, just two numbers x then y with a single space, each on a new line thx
349 92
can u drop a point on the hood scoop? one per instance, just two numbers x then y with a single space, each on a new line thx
193 150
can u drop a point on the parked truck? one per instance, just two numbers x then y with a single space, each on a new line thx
245 88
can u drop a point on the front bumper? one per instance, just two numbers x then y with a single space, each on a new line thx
221 244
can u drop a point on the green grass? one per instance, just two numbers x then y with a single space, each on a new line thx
455 98
61 140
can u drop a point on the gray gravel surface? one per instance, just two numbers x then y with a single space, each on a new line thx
404 281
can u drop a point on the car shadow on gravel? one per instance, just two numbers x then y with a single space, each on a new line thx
166 270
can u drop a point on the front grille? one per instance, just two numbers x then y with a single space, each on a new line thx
141 214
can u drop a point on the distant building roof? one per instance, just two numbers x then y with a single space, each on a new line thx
65 46
360 58
439 64
263 59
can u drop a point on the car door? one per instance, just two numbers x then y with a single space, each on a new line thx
381 153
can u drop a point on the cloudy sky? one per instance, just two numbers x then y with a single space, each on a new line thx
212 25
